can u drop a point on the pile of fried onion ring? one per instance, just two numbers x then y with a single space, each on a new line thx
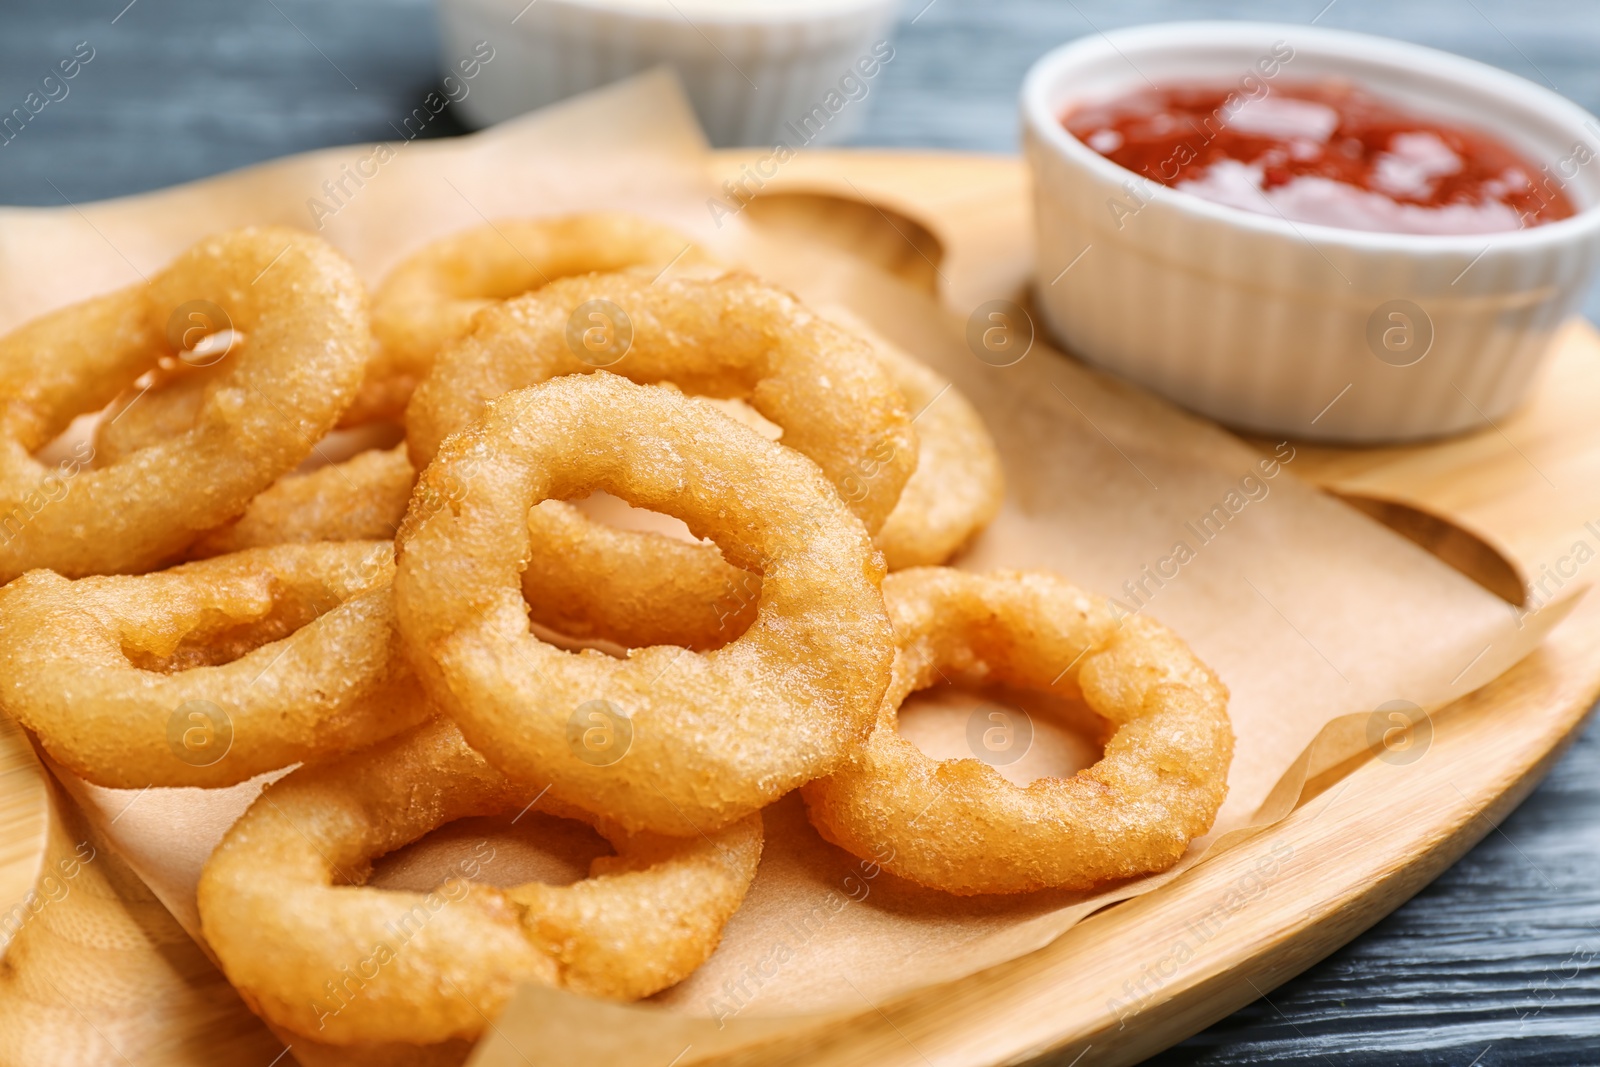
360 559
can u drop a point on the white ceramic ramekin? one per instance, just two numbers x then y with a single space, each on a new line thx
758 71
1293 328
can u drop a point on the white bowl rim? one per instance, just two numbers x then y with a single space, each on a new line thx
1434 63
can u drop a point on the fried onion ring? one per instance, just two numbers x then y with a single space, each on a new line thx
361 499
302 311
715 735
430 298
345 965
730 336
957 825
958 485
273 655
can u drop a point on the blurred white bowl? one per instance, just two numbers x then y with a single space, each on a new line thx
750 66
1294 328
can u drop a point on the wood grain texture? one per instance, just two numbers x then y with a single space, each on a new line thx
98 972
24 826
1493 958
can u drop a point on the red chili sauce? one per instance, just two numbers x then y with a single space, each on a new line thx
1325 153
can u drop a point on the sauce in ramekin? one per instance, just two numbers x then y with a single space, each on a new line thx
1327 153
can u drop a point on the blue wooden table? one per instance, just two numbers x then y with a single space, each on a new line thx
1496 963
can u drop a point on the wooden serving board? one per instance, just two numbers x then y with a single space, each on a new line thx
1130 980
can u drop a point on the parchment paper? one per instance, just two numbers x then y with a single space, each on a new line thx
1311 613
